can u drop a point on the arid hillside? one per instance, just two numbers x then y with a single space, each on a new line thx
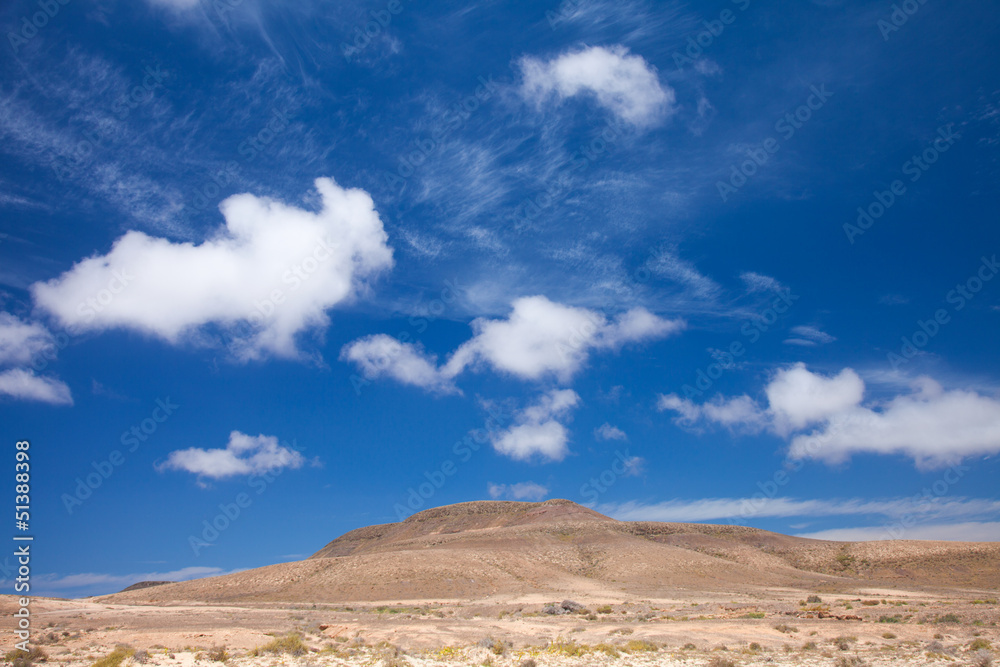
507 550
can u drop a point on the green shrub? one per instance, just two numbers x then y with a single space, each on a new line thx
948 618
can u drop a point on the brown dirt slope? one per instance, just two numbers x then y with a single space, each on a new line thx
558 548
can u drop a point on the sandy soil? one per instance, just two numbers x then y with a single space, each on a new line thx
773 627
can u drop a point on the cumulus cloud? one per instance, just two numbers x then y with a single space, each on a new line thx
807 336
244 455
542 338
519 491
23 384
539 339
269 274
537 431
608 432
798 397
384 356
624 84
932 426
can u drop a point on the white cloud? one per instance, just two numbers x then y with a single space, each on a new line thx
738 412
670 265
381 355
798 397
758 282
807 336
539 339
970 531
542 338
537 431
244 455
626 85
519 491
21 341
274 267
707 509
932 426
608 432
22 384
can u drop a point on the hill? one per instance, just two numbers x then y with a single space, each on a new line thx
506 550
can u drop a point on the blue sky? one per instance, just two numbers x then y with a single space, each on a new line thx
295 269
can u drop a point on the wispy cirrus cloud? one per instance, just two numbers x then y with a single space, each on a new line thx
714 509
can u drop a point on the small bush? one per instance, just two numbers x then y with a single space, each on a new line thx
948 618
639 645
116 657
218 654
21 658
888 635
814 599
689 647
890 619
528 662
719 661
604 609
754 646
787 629
869 603
142 657
851 662
978 644
754 614
564 647
289 644
809 646
982 659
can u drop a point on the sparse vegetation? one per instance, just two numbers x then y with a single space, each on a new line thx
979 644
787 629
852 661
719 661
218 654
843 643
948 618
639 645
21 658
890 619
604 609
814 599
290 644
116 657
888 635
982 659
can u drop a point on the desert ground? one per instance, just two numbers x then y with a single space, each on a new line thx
496 583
